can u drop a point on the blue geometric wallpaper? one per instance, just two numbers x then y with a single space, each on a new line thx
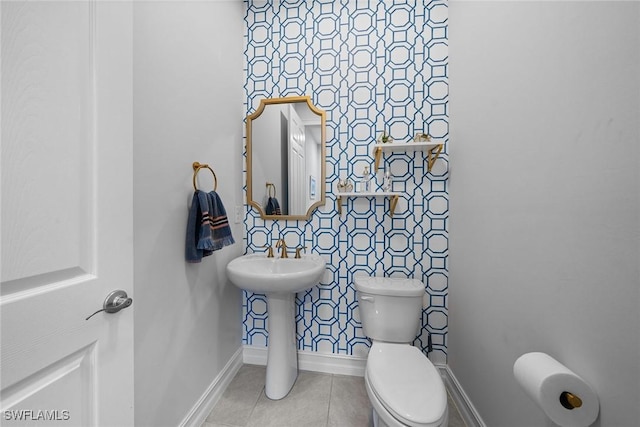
372 66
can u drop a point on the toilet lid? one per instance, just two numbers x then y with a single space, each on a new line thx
407 383
394 286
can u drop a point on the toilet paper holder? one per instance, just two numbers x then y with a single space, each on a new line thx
569 400
564 397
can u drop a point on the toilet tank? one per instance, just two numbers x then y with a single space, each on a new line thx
390 308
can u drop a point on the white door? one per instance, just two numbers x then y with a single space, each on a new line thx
66 213
297 182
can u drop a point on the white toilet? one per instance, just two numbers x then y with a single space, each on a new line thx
404 387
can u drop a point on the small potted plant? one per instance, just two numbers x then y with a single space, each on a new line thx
422 137
385 138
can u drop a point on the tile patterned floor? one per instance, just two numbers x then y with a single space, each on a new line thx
316 399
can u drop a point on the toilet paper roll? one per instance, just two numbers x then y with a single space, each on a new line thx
546 381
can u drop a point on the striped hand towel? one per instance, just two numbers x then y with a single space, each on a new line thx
207 227
215 232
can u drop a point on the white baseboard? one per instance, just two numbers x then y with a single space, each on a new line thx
199 412
467 411
312 361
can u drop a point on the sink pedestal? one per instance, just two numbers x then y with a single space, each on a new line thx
279 279
282 351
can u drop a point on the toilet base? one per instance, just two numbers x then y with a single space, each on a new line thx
378 419
377 422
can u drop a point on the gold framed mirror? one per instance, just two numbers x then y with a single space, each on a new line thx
286 158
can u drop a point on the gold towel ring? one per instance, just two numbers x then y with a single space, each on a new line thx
196 168
269 187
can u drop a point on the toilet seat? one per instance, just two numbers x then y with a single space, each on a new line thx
407 384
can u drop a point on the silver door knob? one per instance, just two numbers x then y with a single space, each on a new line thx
115 301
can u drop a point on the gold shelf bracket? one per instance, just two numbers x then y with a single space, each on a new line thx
432 157
377 154
392 205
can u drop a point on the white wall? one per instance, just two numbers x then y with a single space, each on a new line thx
187 107
545 210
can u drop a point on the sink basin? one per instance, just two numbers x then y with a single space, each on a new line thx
279 279
259 274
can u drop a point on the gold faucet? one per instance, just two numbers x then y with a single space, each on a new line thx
283 252
269 251
298 249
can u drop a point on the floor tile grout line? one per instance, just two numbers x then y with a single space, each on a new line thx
253 408
329 404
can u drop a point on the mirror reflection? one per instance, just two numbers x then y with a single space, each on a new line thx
286 158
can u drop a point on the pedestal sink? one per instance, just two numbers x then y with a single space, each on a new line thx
279 279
